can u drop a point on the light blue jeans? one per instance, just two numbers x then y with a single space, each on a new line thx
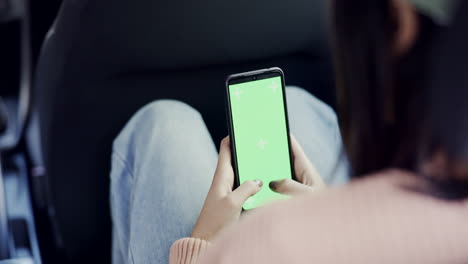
164 160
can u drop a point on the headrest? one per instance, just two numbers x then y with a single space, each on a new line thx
121 36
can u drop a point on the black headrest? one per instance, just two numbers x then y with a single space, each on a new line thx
112 37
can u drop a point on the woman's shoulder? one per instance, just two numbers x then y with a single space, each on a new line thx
383 218
388 197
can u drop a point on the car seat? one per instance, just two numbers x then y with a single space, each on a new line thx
102 60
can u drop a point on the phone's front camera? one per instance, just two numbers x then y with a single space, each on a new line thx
254 78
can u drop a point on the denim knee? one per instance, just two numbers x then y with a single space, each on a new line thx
297 95
159 120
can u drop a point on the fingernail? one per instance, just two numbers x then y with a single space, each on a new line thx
273 185
259 183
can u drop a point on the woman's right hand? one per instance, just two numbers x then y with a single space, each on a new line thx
308 178
223 206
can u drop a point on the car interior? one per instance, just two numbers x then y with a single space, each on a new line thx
72 73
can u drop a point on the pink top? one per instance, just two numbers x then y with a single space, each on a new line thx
379 219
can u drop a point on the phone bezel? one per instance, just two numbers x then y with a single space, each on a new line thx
249 77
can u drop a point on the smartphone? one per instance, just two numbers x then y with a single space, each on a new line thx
259 131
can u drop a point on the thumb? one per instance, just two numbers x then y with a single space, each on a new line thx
245 191
290 187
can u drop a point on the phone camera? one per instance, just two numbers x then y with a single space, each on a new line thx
254 78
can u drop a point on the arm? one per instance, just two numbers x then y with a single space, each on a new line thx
375 220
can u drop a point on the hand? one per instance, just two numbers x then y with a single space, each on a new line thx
223 205
308 178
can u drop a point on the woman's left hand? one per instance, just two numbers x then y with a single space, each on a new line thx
308 178
223 206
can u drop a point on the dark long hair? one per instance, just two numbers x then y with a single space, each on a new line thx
446 106
385 103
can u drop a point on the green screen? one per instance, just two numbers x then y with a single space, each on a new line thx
260 135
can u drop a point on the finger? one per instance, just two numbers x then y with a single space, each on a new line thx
224 160
301 163
307 172
245 191
297 150
290 187
224 175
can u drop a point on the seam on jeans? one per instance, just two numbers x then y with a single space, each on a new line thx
125 163
116 239
130 251
119 157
